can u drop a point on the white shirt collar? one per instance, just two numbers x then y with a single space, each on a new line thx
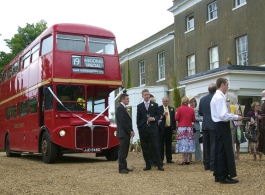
123 105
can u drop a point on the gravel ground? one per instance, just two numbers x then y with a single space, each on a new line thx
86 174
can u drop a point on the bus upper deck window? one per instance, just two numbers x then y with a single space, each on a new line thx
70 42
46 46
10 70
15 68
4 76
102 46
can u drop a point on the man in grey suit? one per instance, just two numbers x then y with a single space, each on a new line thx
124 132
208 128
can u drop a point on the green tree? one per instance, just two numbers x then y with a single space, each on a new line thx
129 85
176 94
21 40
4 59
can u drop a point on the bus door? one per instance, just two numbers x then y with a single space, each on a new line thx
32 128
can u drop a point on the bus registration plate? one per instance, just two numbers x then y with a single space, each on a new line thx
92 150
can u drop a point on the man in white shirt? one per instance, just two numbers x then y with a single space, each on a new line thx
224 168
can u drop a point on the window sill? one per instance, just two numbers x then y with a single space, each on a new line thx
211 20
239 6
160 80
189 30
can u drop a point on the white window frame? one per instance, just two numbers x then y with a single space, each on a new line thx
190 23
214 57
191 65
161 66
212 11
240 2
242 50
142 72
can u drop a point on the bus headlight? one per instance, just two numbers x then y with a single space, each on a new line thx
62 133
115 133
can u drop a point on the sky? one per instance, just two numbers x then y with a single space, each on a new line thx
131 21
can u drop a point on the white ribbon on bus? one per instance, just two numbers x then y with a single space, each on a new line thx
89 123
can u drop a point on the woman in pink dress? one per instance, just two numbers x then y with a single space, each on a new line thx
185 137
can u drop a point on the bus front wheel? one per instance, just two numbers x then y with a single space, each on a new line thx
9 153
112 153
48 149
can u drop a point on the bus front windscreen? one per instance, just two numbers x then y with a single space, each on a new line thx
72 97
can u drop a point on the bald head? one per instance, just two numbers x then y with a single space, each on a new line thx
165 101
212 88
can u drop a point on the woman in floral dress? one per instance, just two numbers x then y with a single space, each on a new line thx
185 137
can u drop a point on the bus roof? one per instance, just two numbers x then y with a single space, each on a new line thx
79 29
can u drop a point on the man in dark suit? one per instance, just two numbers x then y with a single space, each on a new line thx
167 126
147 119
208 128
124 132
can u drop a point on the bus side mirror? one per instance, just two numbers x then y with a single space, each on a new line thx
46 91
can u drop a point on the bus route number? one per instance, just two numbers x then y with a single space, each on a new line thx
91 150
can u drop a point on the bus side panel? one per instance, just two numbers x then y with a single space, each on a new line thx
25 79
18 86
17 133
46 66
33 73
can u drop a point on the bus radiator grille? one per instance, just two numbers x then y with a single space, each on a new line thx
85 137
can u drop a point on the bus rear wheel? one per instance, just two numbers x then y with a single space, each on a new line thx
112 153
48 149
9 153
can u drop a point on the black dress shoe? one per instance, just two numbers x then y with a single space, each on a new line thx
211 168
123 171
170 161
228 181
160 168
127 169
229 178
216 179
147 168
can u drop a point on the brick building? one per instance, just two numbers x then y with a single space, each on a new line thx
209 39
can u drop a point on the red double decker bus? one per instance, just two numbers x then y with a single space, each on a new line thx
54 88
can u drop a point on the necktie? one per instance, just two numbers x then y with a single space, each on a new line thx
146 105
167 117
